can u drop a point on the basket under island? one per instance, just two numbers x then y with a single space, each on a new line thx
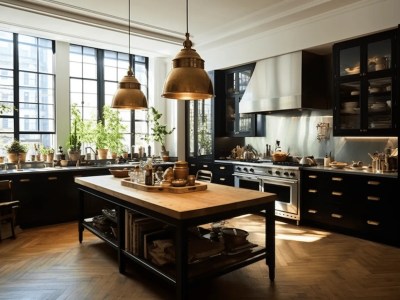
180 212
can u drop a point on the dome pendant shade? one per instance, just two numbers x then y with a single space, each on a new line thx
129 95
188 80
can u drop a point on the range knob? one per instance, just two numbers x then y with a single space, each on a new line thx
245 169
286 173
251 170
278 173
238 168
269 172
292 174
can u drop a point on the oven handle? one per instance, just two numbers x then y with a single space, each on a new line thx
246 177
271 179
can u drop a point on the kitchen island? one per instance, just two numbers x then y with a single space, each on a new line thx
181 212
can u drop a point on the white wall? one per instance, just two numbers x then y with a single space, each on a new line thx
320 30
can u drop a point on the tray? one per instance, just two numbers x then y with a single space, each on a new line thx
199 186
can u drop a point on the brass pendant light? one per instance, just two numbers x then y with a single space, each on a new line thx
129 94
188 80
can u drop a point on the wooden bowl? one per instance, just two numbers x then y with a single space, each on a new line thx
120 173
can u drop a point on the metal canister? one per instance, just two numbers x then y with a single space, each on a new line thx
181 170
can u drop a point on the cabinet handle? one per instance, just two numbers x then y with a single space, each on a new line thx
336 216
312 211
312 176
373 198
222 179
370 222
52 178
312 191
222 168
25 180
337 193
337 178
205 166
373 182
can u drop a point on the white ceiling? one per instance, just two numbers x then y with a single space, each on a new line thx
159 25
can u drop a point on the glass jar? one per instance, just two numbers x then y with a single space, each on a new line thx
181 170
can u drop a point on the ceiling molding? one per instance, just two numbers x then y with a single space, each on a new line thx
97 20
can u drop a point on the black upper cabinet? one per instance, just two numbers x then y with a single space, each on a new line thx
236 123
366 85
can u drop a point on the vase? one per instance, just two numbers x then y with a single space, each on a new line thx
50 157
102 153
74 155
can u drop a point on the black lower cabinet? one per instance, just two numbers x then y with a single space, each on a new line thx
222 174
49 197
359 205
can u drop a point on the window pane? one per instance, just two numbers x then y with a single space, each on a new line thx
27 56
6 50
28 79
28 110
46 125
6 125
28 124
28 95
75 69
46 111
46 59
75 85
89 71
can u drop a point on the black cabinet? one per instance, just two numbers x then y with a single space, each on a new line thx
359 205
366 85
238 124
222 174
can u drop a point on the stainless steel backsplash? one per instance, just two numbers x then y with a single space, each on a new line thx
297 133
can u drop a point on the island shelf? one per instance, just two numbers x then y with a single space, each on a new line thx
180 212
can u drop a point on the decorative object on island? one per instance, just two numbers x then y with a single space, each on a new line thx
129 95
16 151
188 80
158 131
181 170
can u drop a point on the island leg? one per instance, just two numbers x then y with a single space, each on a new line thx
270 238
80 215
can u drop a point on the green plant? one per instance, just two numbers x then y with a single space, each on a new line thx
16 147
45 150
77 132
114 129
158 131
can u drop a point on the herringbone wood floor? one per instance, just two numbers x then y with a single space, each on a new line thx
49 263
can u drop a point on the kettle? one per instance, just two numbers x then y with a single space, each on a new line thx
249 153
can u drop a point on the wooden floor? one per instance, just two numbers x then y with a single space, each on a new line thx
49 263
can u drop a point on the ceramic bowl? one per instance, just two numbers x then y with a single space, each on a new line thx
234 237
64 163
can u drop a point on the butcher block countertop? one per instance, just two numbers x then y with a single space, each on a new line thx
215 199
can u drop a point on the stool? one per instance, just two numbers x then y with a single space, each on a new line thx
8 207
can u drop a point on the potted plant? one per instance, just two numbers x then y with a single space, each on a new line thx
101 140
158 132
47 153
16 151
74 142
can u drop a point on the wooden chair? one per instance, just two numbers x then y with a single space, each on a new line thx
8 207
204 175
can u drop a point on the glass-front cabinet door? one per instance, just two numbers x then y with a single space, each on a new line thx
200 128
365 86
238 124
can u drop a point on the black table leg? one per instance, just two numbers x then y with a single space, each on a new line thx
270 238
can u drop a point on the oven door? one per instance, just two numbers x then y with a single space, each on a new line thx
250 182
287 204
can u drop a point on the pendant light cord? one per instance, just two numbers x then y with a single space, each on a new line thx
129 32
187 16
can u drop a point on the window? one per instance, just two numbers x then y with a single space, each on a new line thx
94 77
27 82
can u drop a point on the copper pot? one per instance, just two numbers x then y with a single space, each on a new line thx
181 170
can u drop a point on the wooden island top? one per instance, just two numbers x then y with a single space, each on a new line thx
215 199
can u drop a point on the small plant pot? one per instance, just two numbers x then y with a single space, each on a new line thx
102 153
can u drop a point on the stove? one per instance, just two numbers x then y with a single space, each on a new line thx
281 179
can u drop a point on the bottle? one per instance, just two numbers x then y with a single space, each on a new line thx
277 146
148 176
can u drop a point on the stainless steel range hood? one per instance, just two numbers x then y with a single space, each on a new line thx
296 80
